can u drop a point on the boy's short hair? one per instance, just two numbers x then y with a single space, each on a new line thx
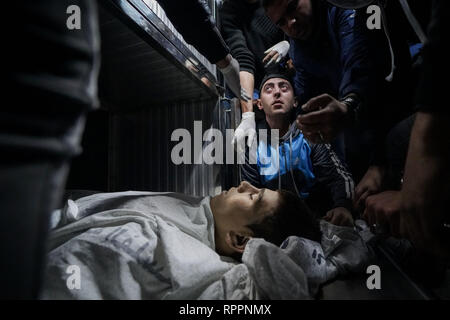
292 217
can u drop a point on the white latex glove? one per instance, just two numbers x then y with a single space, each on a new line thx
247 128
231 75
276 53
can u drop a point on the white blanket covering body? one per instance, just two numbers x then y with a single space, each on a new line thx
148 245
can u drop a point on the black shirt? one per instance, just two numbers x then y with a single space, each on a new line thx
433 84
48 60
248 32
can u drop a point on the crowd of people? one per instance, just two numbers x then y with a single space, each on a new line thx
352 105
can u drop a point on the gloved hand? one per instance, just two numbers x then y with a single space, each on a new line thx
276 53
231 75
247 127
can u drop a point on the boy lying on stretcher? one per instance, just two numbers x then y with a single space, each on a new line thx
148 245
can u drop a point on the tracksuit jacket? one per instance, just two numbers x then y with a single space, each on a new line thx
301 167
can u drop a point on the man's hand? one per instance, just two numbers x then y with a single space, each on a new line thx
230 70
370 184
276 53
324 119
384 209
339 216
247 128
424 232
426 186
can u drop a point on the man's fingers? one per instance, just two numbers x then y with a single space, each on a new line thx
370 210
359 191
359 205
251 138
316 103
234 140
269 54
348 221
315 117
269 50
273 59
336 219
340 219
328 216
369 216
314 127
238 134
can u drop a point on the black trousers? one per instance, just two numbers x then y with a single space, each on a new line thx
51 75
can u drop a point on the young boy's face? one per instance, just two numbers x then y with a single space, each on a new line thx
244 205
277 97
294 17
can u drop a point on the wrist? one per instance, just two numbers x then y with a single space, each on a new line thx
246 106
248 115
352 105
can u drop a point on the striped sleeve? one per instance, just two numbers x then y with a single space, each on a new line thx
331 172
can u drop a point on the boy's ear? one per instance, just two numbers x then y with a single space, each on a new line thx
237 241
295 102
259 104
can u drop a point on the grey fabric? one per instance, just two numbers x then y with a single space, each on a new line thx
300 266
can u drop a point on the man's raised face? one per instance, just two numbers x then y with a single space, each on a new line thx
277 97
294 17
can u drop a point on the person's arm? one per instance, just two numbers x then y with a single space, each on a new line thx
422 201
370 184
327 116
231 19
426 185
192 18
330 172
355 59
231 27
248 84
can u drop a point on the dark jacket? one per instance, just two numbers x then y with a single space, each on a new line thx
432 89
303 168
335 58
192 18
248 32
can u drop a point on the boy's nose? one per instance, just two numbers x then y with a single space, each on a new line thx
242 186
245 186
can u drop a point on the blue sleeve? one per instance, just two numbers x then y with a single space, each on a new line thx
356 65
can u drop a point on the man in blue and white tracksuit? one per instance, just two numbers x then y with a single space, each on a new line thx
312 171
